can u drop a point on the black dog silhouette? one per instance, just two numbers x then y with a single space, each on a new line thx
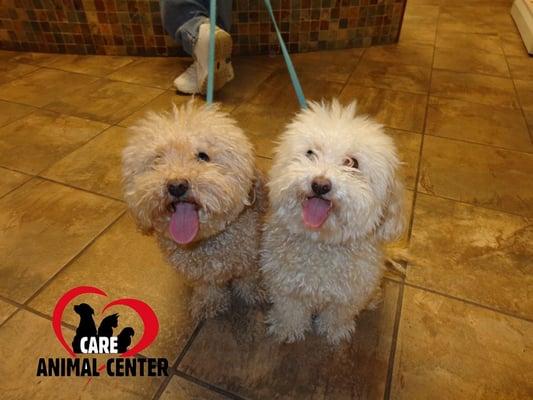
124 339
86 327
107 325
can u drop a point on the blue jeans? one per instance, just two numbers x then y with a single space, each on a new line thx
182 19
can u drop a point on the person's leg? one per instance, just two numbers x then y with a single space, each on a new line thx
188 23
182 19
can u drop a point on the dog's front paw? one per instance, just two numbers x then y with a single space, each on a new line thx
286 330
284 334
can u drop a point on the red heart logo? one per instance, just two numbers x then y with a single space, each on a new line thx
148 317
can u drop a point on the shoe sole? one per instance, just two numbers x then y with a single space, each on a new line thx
223 48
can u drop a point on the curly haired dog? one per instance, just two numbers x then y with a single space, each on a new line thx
190 178
334 197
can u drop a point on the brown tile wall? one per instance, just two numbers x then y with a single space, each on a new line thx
134 27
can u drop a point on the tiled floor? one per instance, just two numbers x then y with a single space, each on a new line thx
456 94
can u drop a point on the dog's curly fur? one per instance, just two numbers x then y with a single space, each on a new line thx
227 190
332 272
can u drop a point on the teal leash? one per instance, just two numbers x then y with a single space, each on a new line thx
211 59
290 67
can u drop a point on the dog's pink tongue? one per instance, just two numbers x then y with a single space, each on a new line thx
184 223
316 211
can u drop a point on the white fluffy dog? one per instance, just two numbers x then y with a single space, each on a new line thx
334 197
190 178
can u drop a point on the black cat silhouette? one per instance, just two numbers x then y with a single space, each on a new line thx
86 327
124 339
107 325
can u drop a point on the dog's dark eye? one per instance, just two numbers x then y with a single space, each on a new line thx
310 154
202 156
351 162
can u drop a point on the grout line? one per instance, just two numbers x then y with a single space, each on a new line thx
421 149
44 178
361 56
56 182
469 302
74 258
24 307
30 177
174 368
392 354
208 386
35 109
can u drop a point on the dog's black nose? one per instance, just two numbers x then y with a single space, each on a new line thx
178 188
321 186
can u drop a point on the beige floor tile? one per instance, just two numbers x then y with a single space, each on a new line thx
410 54
43 225
408 145
38 140
43 86
469 42
262 125
472 61
426 2
95 166
124 255
486 18
90 65
181 389
156 72
250 73
29 57
451 350
10 112
521 67
161 103
414 32
8 55
10 180
305 370
472 253
393 109
334 66
25 338
512 44
409 78
427 13
478 123
264 164
10 70
6 310
105 100
525 94
481 89
478 175
277 93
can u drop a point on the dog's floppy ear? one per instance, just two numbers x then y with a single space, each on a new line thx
393 221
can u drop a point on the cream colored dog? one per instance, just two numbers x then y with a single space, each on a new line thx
334 197
190 178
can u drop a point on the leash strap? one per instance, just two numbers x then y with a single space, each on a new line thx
290 67
211 59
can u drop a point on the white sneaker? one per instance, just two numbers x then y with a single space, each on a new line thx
187 82
223 67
